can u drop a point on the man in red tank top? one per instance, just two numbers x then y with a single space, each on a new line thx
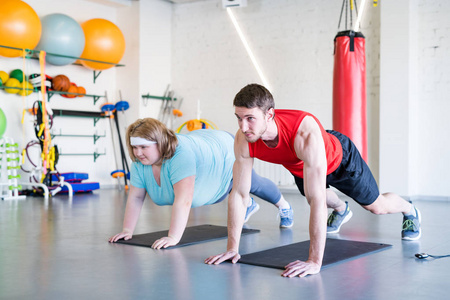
317 159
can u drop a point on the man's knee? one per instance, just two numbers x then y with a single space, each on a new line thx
377 207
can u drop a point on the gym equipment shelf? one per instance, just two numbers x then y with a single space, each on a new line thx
51 93
158 97
33 54
95 136
79 114
95 97
95 154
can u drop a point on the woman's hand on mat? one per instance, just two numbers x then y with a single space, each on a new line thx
165 242
126 235
301 269
217 259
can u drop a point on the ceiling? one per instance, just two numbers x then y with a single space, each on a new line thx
119 3
182 1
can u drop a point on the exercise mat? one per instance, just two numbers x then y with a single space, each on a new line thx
192 235
336 251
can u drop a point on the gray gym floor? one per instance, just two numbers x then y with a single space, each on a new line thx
59 250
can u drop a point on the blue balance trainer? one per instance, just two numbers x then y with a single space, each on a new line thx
75 180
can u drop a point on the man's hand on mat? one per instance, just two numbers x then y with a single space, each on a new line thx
301 269
126 235
165 242
217 259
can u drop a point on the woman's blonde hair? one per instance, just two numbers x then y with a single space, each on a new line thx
153 130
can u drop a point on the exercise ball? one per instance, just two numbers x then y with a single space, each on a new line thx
26 88
20 27
81 91
72 89
2 123
61 35
61 83
12 83
104 42
17 74
4 77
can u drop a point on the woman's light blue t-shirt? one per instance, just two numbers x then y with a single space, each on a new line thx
207 154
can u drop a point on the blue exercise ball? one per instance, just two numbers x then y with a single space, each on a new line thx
61 35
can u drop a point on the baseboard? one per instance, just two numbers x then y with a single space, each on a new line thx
108 186
427 198
292 189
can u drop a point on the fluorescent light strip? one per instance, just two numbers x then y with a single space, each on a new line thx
247 47
361 11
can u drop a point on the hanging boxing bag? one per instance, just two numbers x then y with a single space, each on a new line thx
349 88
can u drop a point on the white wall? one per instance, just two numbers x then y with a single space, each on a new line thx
432 122
125 15
13 105
195 48
155 55
293 42
396 99
407 75
414 91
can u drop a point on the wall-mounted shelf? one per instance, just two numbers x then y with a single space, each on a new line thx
95 136
158 97
95 97
34 54
2 87
79 114
95 154
51 93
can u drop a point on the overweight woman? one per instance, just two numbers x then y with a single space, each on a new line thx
184 171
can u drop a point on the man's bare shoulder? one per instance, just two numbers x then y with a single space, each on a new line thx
307 126
307 134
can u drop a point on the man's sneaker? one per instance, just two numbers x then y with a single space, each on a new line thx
286 217
411 227
254 207
336 220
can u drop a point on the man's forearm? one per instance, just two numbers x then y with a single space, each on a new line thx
317 231
236 211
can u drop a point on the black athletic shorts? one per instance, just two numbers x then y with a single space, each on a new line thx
353 176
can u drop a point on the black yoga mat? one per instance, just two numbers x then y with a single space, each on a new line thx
336 251
192 235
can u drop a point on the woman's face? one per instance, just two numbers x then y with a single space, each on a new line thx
147 154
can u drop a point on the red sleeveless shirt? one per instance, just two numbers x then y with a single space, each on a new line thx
287 122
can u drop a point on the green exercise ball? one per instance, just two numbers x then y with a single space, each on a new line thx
2 123
17 74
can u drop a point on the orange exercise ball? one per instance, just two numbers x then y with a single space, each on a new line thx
82 91
72 89
104 42
20 27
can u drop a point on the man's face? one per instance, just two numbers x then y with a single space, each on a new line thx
252 122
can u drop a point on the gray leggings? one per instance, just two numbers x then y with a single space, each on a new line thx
261 187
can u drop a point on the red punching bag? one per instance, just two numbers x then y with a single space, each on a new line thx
349 88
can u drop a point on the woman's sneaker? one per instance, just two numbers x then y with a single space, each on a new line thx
286 217
254 207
